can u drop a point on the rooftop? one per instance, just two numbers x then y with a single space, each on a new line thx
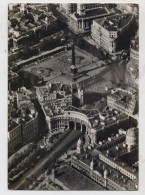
23 22
115 22
92 13
12 125
113 174
107 144
74 180
123 97
121 163
54 87
99 122
25 109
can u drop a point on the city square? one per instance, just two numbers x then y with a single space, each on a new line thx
73 99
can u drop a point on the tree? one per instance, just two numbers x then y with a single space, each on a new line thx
27 182
27 52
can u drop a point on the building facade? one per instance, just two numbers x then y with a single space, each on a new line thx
30 128
133 64
101 173
123 101
55 100
28 25
103 164
81 20
14 136
102 129
23 120
110 31
68 8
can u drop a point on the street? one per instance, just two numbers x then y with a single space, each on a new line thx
111 75
54 154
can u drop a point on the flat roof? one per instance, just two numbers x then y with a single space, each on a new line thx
113 174
114 22
98 122
12 125
74 180
91 13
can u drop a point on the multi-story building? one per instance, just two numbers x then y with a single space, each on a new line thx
23 120
133 64
103 163
60 116
134 52
29 25
104 125
14 135
54 99
81 20
55 92
117 144
110 32
68 8
83 8
123 101
30 128
105 172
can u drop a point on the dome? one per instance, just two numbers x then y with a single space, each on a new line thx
130 138
131 133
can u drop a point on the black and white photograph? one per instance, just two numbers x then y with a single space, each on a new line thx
73 96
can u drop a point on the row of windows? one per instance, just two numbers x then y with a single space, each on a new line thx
15 134
16 137
98 179
30 136
16 141
120 108
113 186
79 164
111 144
114 165
110 185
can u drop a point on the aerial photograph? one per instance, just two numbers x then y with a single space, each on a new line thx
73 96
